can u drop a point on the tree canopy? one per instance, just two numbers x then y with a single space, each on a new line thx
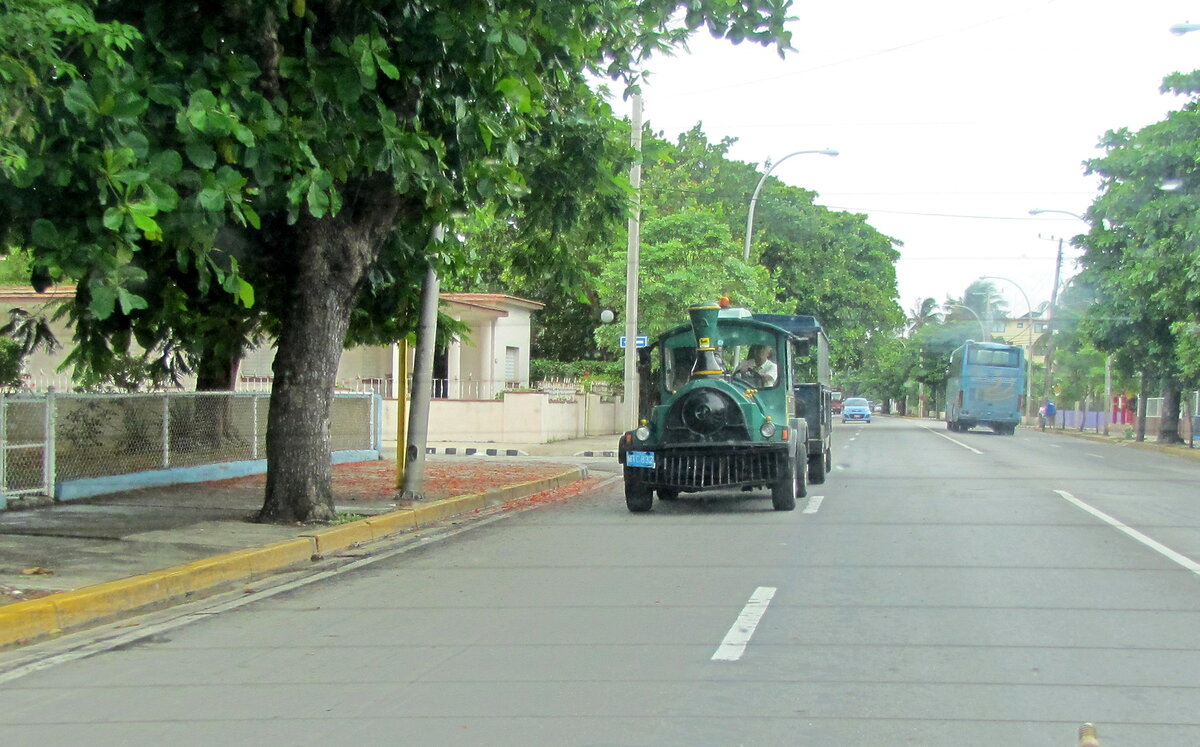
278 159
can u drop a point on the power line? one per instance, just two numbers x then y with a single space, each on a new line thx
868 55
933 215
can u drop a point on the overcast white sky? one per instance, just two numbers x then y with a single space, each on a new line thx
940 108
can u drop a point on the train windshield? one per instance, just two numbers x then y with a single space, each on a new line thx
748 355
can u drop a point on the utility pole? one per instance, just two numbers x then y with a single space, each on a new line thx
401 412
1107 391
633 261
1050 327
422 388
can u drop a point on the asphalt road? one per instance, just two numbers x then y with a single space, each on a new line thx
939 589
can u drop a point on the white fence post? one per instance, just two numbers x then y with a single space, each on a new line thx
3 452
48 466
166 431
254 429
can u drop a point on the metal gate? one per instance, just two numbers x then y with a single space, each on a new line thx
26 457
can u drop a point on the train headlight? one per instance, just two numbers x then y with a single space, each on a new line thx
767 429
642 433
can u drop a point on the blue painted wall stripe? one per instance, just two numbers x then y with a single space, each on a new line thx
93 486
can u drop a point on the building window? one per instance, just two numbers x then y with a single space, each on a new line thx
1020 325
511 357
998 327
1041 327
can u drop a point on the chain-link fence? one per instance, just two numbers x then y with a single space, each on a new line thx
56 438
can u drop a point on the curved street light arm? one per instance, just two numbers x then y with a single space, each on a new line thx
1029 357
982 332
757 189
1037 211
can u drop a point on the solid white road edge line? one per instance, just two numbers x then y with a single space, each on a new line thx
734 645
1158 547
952 440
814 504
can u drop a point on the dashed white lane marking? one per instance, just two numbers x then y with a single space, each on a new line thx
1097 456
814 504
734 645
952 440
1158 547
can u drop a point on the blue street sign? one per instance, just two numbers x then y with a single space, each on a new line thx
642 341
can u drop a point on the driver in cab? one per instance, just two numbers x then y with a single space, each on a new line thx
759 370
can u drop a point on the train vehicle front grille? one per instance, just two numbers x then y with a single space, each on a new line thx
707 469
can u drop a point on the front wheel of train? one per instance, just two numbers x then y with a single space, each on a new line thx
638 496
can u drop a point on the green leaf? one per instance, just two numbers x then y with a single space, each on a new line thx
148 226
44 234
136 142
114 218
163 195
245 293
318 200
202 155
78 100
130 301
243 135
517 44
516 92
104 300
166 163
198 118
212 199
164 94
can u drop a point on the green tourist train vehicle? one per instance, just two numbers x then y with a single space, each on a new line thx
731 401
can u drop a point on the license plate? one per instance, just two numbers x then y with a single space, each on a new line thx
639 459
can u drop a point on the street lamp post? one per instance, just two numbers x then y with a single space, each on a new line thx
757 189
1029 357
982 331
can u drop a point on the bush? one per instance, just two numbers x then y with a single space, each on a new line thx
541 369
10 364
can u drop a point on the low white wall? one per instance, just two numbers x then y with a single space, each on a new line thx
518 417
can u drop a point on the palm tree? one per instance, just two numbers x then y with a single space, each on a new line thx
924 312
985 299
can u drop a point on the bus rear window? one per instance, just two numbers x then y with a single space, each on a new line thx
982 357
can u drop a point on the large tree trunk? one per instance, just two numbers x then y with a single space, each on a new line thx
1168 423
324 276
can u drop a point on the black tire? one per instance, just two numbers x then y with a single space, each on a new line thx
949 425
785 492
816 469
638 496
668 494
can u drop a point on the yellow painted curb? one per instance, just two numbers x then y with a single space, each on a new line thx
394 521
343 535
22 622
26 622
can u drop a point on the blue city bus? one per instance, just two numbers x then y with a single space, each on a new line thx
985 385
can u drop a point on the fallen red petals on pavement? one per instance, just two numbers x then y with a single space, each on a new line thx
375 482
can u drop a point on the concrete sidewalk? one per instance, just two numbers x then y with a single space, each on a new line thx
67 566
